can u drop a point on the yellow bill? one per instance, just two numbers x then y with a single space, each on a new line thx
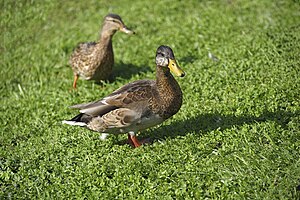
173 66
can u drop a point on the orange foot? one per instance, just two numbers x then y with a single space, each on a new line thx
134 142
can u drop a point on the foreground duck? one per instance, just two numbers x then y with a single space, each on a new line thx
94 60
137 105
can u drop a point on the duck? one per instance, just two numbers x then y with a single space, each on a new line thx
137 105
95 60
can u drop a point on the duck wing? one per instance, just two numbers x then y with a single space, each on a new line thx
128 96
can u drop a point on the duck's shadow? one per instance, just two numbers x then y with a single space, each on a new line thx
202 124
126 71
189 59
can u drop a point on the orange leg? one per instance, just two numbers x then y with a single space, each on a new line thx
75 80
133 141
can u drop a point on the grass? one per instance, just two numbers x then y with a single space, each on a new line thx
235 137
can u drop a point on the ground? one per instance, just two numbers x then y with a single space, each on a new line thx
236 135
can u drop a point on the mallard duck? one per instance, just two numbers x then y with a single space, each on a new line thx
94 60
138 105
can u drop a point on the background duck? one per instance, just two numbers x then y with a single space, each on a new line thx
137 105
94 60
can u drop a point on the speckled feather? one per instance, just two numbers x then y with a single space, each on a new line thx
93 60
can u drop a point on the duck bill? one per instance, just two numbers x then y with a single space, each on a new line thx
124 29
173 66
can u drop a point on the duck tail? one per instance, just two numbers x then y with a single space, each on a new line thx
79 120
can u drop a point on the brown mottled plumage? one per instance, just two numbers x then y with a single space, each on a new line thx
137 105
94 60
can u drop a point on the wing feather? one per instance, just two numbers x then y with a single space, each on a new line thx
132 93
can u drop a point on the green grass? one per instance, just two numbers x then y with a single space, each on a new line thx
235 137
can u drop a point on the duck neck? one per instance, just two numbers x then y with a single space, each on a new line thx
107 33
105 39
169 91
104 45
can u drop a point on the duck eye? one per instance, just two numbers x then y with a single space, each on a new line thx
162 54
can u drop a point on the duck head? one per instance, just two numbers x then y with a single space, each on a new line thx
165 58
114 23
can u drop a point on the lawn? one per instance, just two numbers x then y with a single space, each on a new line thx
236 136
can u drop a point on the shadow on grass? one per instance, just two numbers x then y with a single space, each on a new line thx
188 59
126 71
208 122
